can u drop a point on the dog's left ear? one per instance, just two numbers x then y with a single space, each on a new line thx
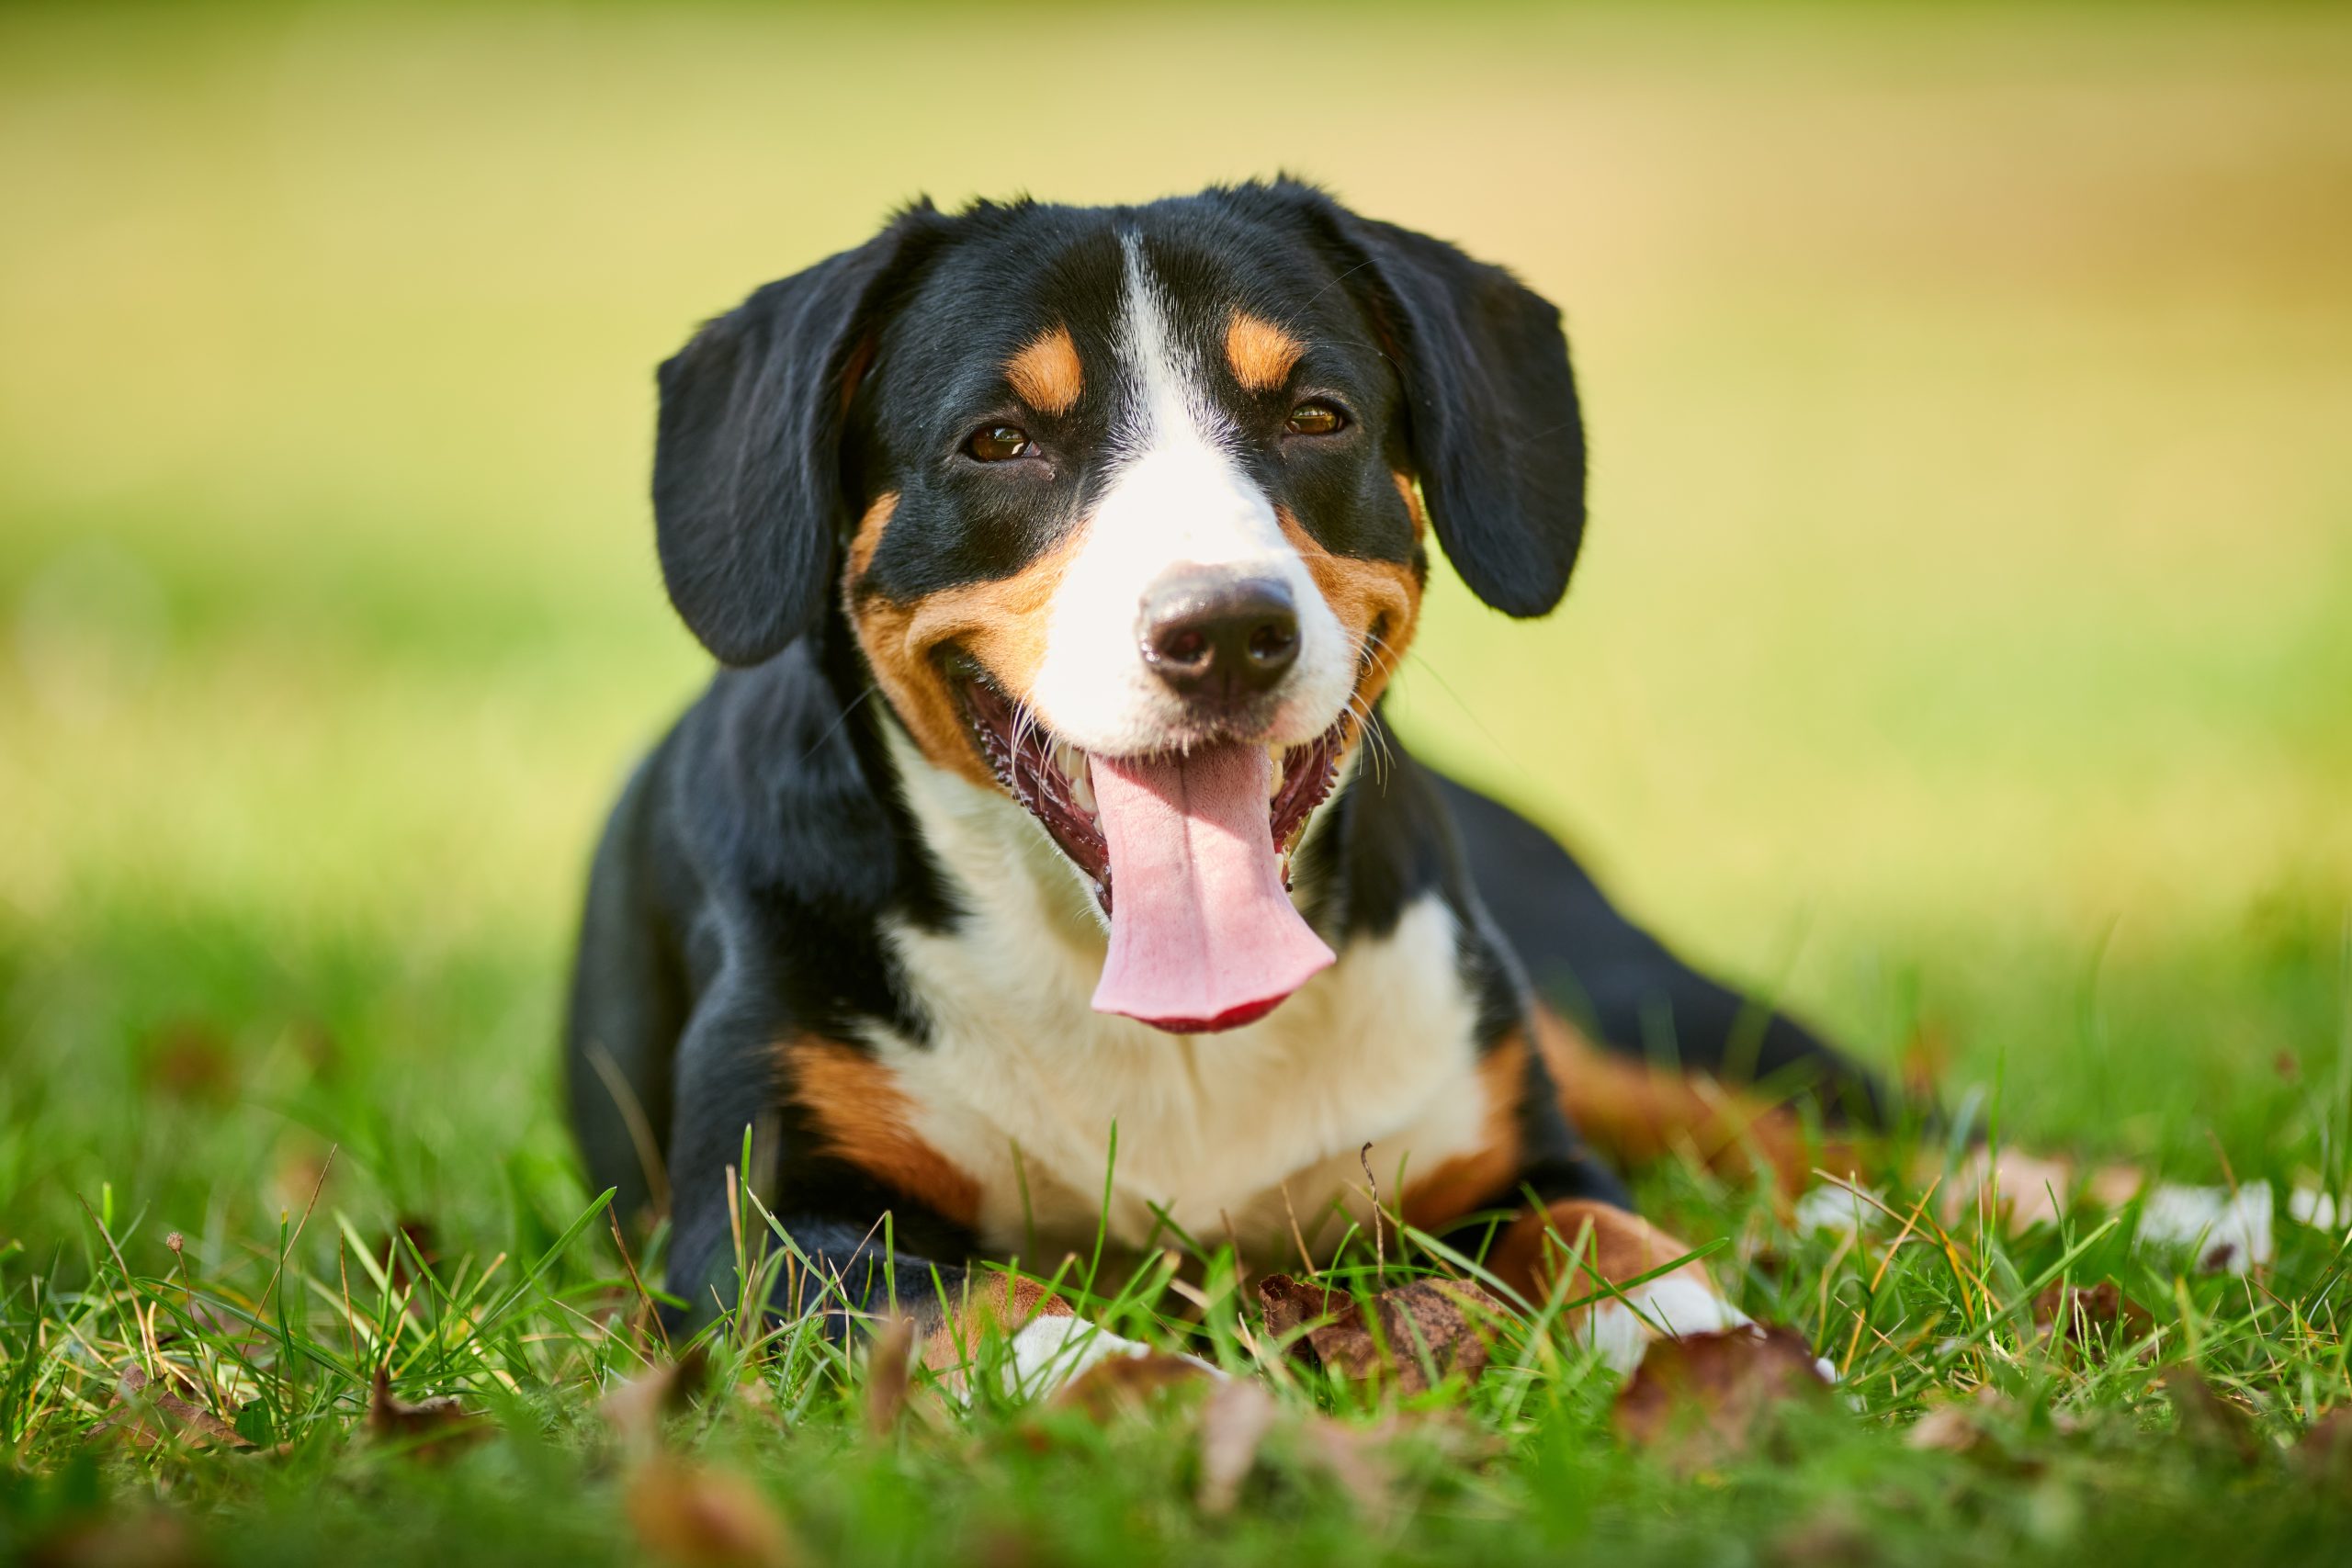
748 507
1491 400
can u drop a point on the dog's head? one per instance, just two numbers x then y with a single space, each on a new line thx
1127 509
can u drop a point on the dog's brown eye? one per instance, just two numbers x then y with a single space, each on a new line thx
1000 443
1314 418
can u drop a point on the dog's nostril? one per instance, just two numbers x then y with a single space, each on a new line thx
1273 642
1220 638
1184 645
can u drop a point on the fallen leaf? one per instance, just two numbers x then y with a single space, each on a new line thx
1429 1326
1701 1398
2209 1420
705 1518
889 1363
145 1413
430 1429
2076 1314
2019 1189
1234 1421
634 1410
1122 1384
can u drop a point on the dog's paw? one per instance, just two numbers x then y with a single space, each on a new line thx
1047 1355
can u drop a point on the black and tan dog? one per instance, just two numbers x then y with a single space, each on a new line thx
1058 558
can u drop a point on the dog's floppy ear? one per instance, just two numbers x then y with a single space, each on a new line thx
1491 401
747 508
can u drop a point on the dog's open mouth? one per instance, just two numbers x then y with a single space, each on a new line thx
1190 856
1055 781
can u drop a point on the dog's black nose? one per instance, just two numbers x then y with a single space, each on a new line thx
1218 636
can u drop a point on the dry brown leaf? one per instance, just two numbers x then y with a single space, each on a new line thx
2207 1419
145 1413
635 1409
1234 1421
699 1517
1123 1384
1700 1399
1436 1325
430 1429
2077 1313
889 1363
2019 1189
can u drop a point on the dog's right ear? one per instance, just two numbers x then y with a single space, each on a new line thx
747 508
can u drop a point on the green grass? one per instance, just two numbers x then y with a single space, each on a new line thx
1961 655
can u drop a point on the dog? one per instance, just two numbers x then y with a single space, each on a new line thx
1038 866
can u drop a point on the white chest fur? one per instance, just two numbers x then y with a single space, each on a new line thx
1022 1083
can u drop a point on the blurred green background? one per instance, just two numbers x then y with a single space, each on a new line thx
1963 651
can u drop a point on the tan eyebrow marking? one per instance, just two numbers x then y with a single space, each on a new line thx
1259 352
1412 495
1046 373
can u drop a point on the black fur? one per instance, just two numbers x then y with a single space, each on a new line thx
747 494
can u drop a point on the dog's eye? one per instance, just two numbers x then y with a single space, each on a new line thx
1001 444
1315 417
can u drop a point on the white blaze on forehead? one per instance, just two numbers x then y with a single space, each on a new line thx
1177 499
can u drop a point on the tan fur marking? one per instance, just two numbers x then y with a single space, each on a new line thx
869 533
1046 373
1366 596
1001 624
1636 1112
1000 1301
1609 1242
1412 495
859 1115
1259 353
1462 1183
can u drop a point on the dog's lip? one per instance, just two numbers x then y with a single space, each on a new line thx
1051 778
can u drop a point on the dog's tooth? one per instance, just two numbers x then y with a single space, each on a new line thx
1070 759
1081 787
1274 774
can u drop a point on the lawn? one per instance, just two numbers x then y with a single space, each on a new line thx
1962 655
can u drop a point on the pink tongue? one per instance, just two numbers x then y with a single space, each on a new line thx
1202 936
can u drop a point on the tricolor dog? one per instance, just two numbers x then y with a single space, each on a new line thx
1058 558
